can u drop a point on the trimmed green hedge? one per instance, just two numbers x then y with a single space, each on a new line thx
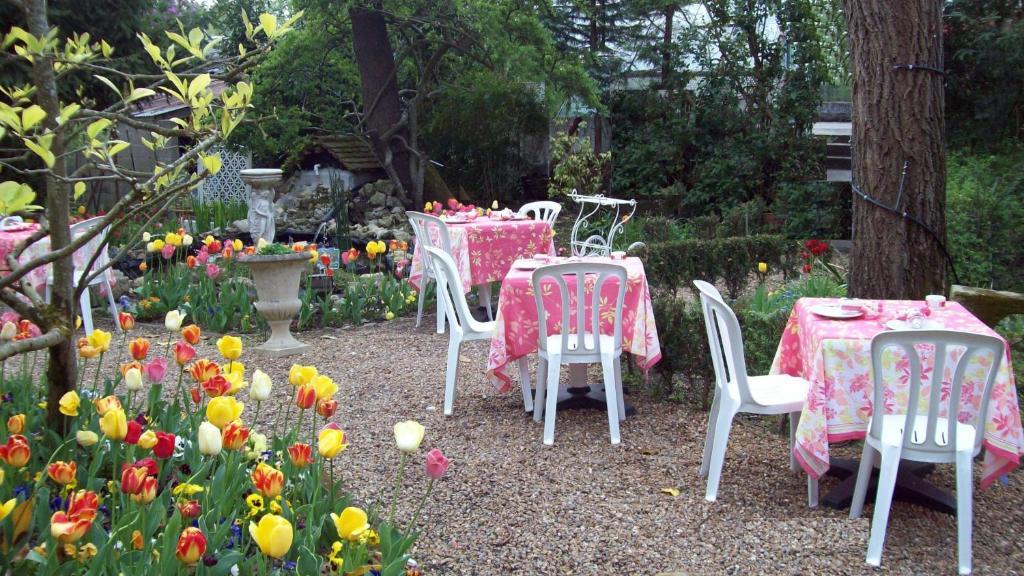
732 261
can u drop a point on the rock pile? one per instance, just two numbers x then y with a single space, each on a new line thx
377 212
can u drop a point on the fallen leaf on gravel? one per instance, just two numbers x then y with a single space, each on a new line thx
649 451
673 492
329 337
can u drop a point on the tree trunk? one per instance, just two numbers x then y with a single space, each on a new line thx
897 118
666 46
381 104
62 369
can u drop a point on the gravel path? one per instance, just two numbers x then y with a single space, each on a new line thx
510 505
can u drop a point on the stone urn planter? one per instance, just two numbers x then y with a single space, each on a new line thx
277 280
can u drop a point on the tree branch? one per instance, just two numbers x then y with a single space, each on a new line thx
15 347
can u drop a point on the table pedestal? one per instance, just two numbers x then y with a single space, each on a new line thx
910 486
578 394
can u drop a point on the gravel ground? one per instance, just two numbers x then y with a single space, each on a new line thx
510 505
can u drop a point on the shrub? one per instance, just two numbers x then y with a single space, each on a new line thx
813 210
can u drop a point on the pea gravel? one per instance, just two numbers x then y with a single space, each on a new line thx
510 505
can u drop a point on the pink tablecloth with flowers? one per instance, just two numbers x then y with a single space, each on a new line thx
485 249
517 332
835 356
10 239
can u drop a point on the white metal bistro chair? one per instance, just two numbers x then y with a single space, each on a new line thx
926 437
430 231
462 325
544 210
574 343
82 256
737 392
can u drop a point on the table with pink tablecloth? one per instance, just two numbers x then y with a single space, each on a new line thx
10 239
516 332
835 356
484 249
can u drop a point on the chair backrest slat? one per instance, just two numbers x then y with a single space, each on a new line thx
429 231
544 210
449 287
95 244
982 351
725 340
576 330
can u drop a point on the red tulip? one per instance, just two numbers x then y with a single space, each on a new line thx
216 386
190 509
134 431
62 473
305 396
300 454
126 320
164 445
191 545
436 464
16 451
138 348
183 353
132 479
327 408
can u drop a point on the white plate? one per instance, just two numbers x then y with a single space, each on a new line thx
527 264
904 325
836 312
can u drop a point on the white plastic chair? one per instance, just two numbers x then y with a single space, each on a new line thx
574 344
737 392
462 325
430 231
544 210
932 438
84 255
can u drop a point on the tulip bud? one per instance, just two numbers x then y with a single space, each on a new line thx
209 439
8 332
133 379
147 440
86 438
261 386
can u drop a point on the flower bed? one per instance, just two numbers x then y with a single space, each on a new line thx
146 480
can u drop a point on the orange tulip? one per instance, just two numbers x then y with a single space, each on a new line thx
269 481
62 473
70 526
305 396
16 424
126 320
191 545
137 540
106 404
202 370
139 348
16 451
216 386
327 408
234 436
191 334
191 261
300 454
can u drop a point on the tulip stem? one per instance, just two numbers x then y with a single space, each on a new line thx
257 414
423 501
287 416
96 376
81 373
398 486
183 394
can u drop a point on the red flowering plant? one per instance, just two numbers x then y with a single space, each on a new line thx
819 252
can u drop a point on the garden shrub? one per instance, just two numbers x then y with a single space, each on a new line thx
813 209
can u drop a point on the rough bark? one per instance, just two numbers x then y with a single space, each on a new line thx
62 369
897 118
381 103
666 45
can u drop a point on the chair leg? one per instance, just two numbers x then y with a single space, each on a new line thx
964 509
722 428
860 489
440 311
539 394
794 421
709 438
883 501
85 303
551 402
48 292
524 383
618 385
422 296
812 491
611 393
112 302
484 294
452 374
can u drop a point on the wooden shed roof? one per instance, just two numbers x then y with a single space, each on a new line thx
352 151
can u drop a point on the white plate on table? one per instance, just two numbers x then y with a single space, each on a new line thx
837 312
904 325
527 264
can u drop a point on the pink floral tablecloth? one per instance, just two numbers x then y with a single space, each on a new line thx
10 239
485 249
517 332
835 356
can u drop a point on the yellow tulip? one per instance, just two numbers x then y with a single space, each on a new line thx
69 403
114 424
351 524
235 378
99 340
237 245
6 507
301 375
235 368
86 438
172 239
147 440
331 442
222 410
762 267
325 387
408 435
273 535
230 347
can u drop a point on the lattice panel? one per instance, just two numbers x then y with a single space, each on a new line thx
226 185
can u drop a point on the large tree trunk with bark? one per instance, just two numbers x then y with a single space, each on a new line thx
388 131
897 121
62 370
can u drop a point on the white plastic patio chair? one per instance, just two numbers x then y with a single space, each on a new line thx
430 231
574 344
737 392
932 438
462 325
544 210
83 255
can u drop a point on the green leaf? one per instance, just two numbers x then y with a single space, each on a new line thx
116 147
139 93
42 152
31 116
96 127
79 189
269 24
107 81
212 163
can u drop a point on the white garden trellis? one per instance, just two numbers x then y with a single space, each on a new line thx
226 185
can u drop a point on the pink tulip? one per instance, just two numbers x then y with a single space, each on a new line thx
453 204
212 271
203 255
156 369
436 464
167 251
9 317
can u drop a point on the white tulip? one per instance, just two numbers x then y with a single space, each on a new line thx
409 435
146 237
8 332
261 385
186 240
209 439
173 320
133 379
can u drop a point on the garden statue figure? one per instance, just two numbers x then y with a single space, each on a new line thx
261 201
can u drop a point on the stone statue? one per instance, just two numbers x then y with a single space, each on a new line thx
261 201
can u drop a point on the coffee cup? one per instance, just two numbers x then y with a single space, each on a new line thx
935 301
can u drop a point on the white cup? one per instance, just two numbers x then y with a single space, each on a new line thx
935 301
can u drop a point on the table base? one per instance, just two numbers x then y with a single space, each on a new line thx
588 397
910 486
